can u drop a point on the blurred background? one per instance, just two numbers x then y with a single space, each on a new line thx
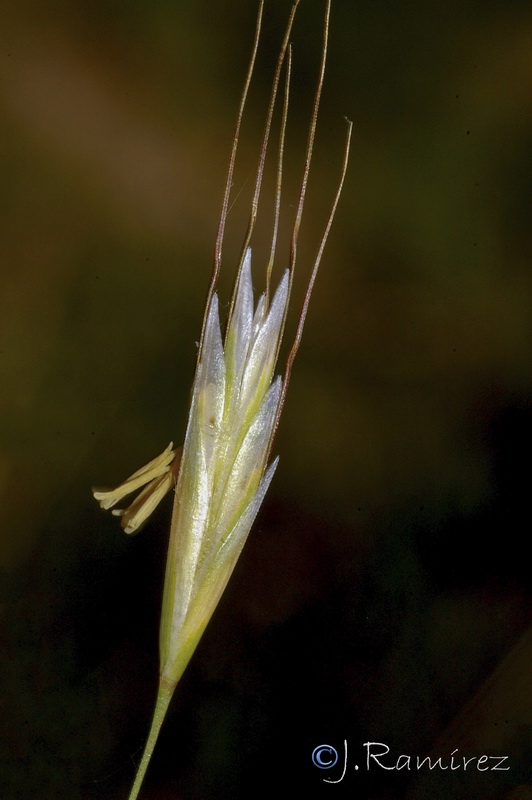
384 594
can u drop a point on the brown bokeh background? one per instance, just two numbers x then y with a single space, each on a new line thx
384 593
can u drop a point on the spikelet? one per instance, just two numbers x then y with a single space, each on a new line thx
222 474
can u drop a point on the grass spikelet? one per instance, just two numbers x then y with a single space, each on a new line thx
222 474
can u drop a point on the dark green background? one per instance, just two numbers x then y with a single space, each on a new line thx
386 577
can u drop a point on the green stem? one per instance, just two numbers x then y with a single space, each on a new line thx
164 695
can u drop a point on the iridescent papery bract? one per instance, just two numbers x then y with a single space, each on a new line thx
222 480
